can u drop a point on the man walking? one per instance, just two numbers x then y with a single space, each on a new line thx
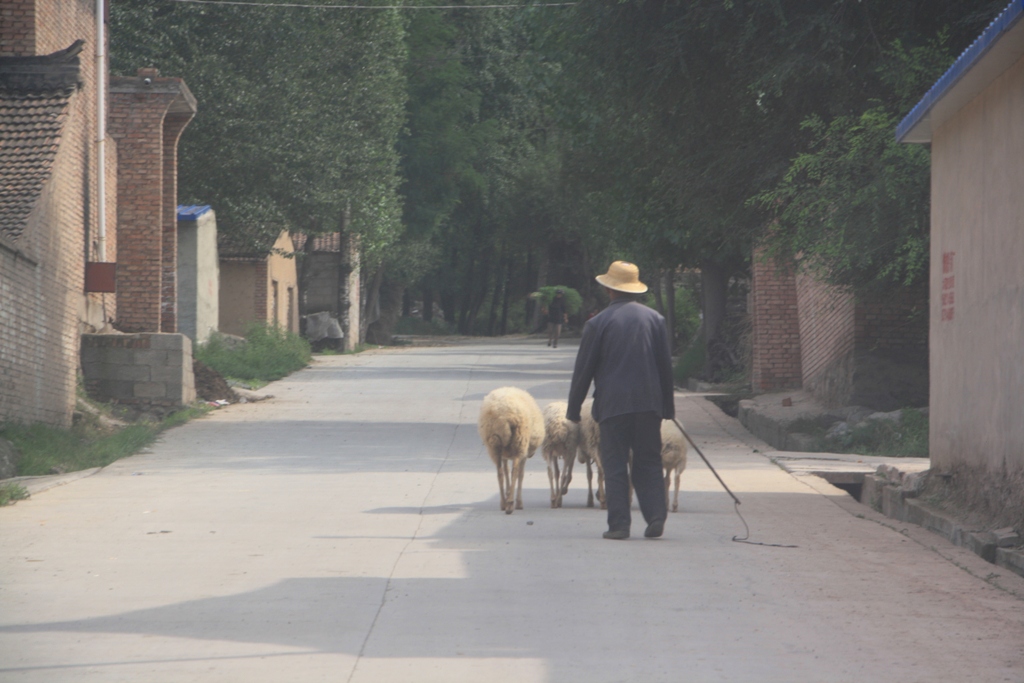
625 352
556 316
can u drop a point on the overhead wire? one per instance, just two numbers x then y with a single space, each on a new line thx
302 5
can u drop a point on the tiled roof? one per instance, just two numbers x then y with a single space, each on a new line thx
34 97
331 242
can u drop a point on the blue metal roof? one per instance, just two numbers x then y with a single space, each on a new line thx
191 213
967 60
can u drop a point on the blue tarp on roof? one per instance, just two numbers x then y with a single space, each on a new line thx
191 213
978 49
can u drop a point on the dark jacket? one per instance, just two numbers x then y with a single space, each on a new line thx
625 352
556 311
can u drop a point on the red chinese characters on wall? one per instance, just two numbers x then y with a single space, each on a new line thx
948 286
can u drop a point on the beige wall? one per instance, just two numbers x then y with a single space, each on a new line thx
282 277
237 296
977 337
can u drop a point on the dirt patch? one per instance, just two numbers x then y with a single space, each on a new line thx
210 384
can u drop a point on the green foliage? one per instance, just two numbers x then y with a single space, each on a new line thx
687 314
691 363
48 450
907 438
299 111
573 300
269 353
856 204
11 493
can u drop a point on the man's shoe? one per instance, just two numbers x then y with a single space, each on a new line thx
617 534
655 529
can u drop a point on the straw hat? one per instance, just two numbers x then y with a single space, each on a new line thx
623 276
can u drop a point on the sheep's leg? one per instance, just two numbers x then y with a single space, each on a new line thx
668 481
552 477
557 496
518 469
566 476
510 479
590 485
502 475
675 501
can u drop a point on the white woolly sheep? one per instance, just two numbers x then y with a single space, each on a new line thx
512 427
561 439
590 440
673 457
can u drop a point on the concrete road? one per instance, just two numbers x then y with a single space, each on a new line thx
349 530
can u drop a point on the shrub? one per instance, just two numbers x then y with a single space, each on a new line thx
690 363
420 327
269 353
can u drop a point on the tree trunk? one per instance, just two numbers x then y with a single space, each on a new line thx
714 284
542 281
670 306
506 299
303 273
406 303
659 303
371 308
428 303
492 317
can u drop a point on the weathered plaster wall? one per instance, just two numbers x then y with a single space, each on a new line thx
282 286
198 277
977 287
237 301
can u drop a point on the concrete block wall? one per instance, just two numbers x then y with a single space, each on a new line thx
148 370
776 332
826 338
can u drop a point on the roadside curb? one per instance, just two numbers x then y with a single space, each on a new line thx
46 482
891 491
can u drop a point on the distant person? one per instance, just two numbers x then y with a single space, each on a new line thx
556 317
625 352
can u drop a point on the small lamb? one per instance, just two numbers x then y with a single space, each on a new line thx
561 439
673 457
512 427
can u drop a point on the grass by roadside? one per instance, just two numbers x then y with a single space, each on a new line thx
906 438
11 493
89 443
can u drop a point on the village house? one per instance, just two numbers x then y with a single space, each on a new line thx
258 285
973 118
57 207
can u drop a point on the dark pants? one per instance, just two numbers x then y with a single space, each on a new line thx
640 432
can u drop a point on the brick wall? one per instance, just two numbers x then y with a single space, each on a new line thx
826 339
17 28
42 271
261 301
146 119
776 333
